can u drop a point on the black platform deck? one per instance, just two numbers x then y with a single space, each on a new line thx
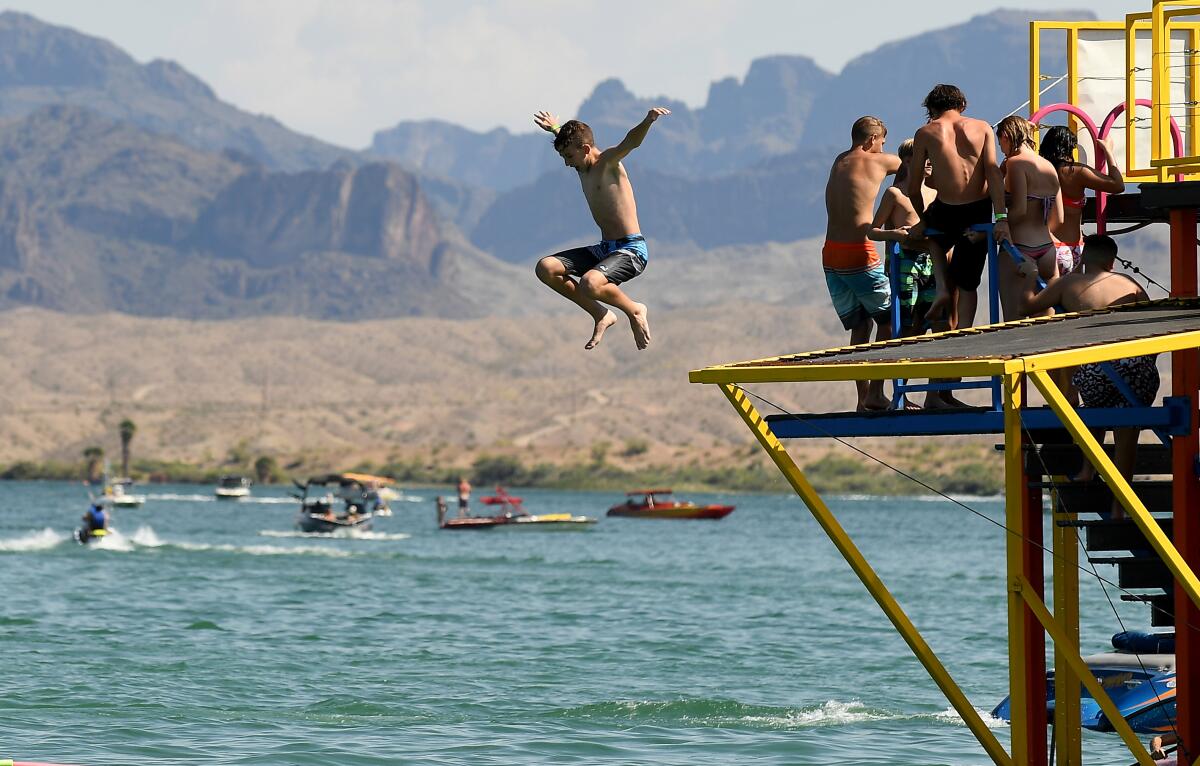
1016 340
988 350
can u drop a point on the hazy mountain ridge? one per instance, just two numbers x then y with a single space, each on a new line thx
750 166
101 215
987 56
263 220
42 64
741 124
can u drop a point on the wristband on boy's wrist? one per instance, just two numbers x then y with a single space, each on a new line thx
1001 217
554 129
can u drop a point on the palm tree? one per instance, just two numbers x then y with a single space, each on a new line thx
264 469
127 429
95 460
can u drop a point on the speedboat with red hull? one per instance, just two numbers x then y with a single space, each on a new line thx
661 504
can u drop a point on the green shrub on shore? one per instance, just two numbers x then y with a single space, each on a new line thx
832 473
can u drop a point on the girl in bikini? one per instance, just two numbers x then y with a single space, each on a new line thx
1075 178
1033 206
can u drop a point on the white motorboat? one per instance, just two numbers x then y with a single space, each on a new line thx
117 494
232 488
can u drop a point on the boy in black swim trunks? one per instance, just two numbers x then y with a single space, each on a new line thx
962 152
589 276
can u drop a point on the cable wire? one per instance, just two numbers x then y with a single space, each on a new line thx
1091 571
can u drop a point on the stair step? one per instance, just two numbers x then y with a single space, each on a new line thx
1089 522
1142 572
1095 496
1122 535
1066 459
1162 607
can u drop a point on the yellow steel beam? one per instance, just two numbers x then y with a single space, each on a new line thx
785 373
1070 653
1164 162
1160 87
1035 66
1067 706
1014 492
1121 490
1103 352
783 461
1073 80
1193 83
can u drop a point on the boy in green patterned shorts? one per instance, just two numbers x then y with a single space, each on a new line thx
916 288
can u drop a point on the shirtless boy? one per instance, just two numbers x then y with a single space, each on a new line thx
590 276
914 268
854 273
969 184
1099 287
893 219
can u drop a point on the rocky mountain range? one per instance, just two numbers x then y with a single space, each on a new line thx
133 187
43 64
748 166
100 215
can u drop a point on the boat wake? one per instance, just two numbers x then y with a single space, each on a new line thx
950 715
730 713
174 497
146 539
35 541
350 534
267 550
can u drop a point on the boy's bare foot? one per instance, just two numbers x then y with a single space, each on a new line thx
940 303
944 402
875 404
640 324
603 324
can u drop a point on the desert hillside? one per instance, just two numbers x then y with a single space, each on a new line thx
296 386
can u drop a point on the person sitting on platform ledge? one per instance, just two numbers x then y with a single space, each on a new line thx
1075 178
1099 287
962 151
854 274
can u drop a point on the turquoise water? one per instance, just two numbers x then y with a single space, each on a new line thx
208 633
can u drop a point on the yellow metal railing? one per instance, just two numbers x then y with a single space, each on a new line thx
1160 23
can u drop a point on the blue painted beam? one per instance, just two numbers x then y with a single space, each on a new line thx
1173 417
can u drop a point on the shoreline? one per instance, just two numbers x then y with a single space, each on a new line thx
832 473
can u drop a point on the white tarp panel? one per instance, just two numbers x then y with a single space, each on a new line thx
1101 75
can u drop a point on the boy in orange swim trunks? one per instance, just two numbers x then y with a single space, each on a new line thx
854 273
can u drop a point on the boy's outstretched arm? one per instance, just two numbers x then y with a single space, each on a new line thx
633 139
546 121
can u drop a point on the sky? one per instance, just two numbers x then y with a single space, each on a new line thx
342 69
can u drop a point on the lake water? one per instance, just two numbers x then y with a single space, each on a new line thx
210 633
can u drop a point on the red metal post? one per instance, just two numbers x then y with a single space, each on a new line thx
1035 636
1185 381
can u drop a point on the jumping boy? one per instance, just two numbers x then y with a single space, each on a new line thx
590 276
854 274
